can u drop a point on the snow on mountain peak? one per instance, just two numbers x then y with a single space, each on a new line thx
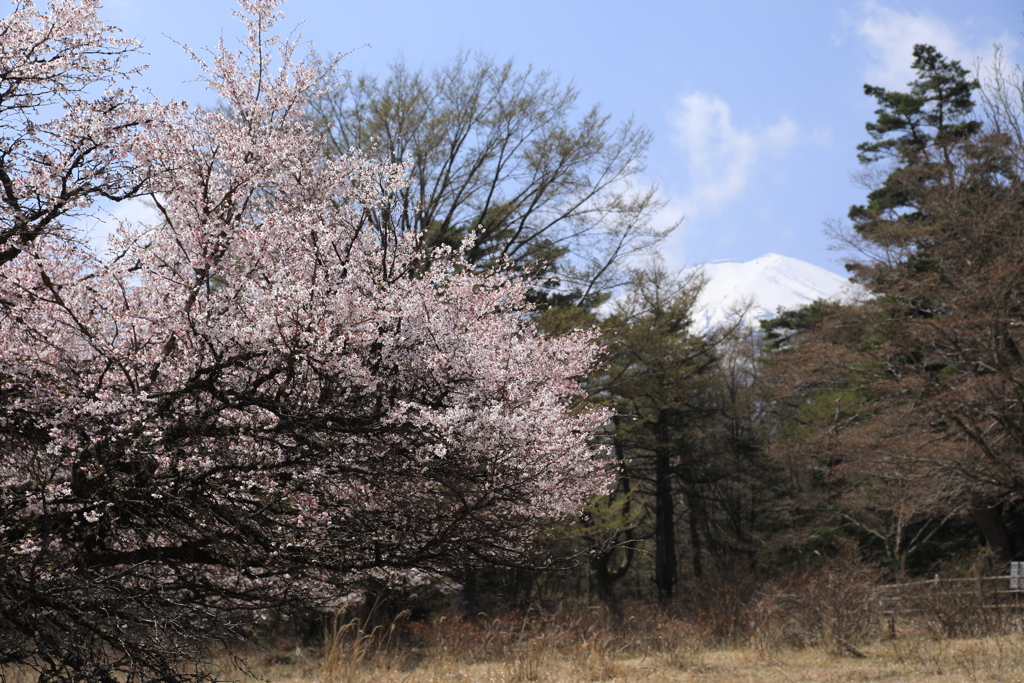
766 283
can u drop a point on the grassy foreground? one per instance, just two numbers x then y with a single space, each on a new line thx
906 660
647 645
835 627
909 659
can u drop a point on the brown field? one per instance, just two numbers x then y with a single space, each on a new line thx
833 627
910 659
652 646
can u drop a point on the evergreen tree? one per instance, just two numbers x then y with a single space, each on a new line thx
918 141
683 430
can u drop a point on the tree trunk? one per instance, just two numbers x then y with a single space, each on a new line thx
605 577
467 597
603 583
664 520
522 589
695 546
994 530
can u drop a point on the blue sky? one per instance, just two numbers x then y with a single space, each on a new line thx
756 107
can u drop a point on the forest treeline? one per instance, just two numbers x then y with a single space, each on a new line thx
890 429
893 425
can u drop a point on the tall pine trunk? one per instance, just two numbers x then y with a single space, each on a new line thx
664 518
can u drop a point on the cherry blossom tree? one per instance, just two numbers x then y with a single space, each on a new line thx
260 399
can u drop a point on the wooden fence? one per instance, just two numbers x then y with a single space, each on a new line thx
956 607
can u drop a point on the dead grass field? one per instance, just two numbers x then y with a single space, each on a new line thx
834 627
778 645
909 659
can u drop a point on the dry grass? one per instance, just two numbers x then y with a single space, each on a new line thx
654 646
518 652
832 626
910 659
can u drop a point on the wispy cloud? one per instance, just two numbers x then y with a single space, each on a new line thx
779 137
891 35
722 155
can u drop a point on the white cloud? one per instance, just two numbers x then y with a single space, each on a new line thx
821 136
720 154
891 36
781 136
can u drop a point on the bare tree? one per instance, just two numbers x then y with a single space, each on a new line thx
504 152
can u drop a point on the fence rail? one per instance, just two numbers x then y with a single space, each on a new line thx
1011 583
954 602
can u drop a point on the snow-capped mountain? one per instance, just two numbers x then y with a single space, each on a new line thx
767 283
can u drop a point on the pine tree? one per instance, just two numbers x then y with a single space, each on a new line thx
917 133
